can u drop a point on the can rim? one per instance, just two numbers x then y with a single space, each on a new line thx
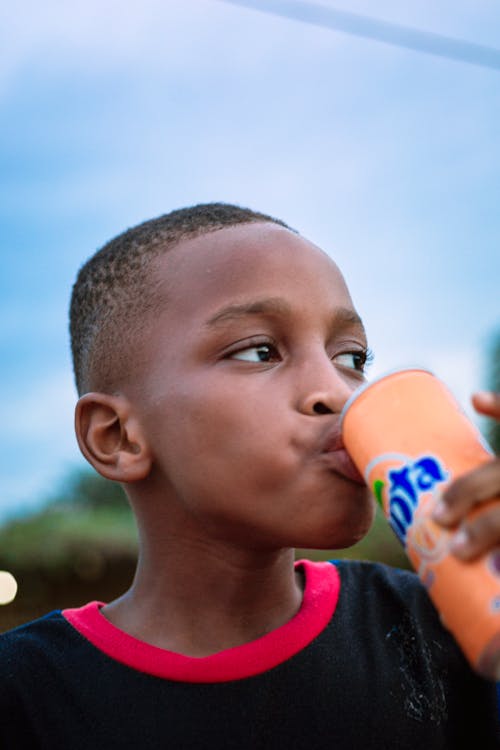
362 388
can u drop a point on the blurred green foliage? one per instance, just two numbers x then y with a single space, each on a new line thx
57 537
88 518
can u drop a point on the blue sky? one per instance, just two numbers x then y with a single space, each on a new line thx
115 112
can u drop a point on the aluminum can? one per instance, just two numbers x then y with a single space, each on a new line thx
408 436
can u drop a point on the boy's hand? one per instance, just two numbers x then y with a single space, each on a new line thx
482 532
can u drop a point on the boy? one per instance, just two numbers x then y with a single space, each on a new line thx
214 349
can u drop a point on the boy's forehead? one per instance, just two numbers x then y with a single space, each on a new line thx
251 258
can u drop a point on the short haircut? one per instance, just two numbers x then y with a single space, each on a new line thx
115 291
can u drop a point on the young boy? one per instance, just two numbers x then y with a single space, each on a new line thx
214 349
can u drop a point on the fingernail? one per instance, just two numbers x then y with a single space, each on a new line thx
440 512
488 397
460 541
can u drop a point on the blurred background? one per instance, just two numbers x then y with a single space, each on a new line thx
112 113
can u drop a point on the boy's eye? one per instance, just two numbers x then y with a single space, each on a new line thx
353 360
259 353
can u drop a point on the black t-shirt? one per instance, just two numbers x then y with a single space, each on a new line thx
365 664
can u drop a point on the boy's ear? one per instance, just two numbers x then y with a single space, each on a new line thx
111 438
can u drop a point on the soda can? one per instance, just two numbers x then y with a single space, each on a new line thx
409 438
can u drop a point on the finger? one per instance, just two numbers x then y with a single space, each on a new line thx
478 535
467 491
488 403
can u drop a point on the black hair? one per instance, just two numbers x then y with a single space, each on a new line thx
115 291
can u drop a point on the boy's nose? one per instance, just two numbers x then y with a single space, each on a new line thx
327 395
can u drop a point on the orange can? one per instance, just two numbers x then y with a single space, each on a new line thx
409 438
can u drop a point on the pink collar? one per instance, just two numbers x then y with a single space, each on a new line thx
318 605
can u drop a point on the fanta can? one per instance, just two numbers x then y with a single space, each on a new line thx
409 438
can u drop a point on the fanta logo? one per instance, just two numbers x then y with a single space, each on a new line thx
406 485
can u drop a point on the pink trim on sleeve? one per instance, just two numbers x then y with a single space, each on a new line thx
319 602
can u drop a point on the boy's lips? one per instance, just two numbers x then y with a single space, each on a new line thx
338 459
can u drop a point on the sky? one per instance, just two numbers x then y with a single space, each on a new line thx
112 113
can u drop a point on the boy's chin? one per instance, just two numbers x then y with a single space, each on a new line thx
349 535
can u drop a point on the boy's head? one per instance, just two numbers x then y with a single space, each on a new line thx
116 292
214 377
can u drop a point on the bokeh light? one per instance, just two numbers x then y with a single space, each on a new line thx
8 587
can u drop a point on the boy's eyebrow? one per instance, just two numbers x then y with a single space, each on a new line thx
266 306
277 306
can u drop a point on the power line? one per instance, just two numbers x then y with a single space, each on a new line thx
380 31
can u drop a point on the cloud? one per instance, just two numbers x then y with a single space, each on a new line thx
101 38
98 38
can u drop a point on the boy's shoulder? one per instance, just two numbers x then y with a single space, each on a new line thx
365 572
374 579
377 584
28 648
32 631
395 607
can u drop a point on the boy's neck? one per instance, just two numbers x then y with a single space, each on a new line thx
197 602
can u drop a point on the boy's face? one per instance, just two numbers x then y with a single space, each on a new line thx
246 371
